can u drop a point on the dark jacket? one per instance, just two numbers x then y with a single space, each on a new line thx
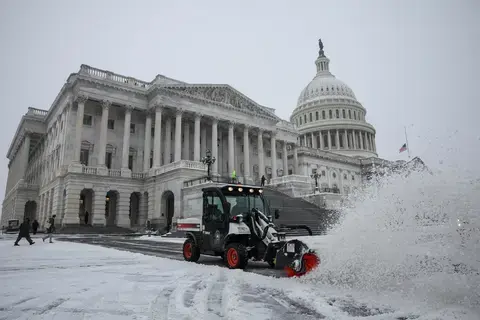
24 229
35 225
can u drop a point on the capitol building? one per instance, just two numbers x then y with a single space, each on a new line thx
113 150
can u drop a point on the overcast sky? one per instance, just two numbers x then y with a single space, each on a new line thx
411 63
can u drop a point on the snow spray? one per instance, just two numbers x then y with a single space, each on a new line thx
416 234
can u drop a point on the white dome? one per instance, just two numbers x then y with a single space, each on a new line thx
325 85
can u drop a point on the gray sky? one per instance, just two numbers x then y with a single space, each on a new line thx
409 62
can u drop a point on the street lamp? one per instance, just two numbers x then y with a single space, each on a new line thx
208 160
316 176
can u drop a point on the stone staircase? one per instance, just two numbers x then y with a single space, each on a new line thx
297 211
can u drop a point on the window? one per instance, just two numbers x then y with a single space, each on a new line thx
354 115
108 160
330 114
337 113
151 161
311 119
305 118
316 115
111 124
214 206
153 131
300 120
290 171
130 162
279 155
132 127
325 140
350 114
269 153
323 173
84 153
323 114
87 120
343 113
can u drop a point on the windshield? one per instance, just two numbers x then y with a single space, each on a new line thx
241 203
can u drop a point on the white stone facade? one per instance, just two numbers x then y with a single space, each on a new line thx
121 149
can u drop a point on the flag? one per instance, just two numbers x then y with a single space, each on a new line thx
403 148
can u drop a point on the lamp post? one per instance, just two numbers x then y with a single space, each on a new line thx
208 160
316 176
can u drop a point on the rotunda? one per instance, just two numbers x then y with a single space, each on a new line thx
329 117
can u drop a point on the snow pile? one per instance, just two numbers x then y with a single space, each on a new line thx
401 236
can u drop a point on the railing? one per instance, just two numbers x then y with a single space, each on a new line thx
89 170
108 75
290 178
114 172
187 164
37 112
139 175
204 179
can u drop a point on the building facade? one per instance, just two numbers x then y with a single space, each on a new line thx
117 151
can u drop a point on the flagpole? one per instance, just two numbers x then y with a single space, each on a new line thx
406 140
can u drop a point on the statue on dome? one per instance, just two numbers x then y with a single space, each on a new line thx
320 44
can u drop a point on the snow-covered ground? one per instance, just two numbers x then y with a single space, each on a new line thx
78 281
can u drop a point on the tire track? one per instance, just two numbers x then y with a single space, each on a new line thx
159 308
215 303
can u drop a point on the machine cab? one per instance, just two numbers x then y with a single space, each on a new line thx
221 208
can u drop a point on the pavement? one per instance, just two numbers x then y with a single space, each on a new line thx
170 250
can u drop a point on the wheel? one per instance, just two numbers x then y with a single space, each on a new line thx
191 252
236 256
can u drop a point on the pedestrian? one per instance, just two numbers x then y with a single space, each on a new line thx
86 217
24 232
50 229
234 176
35 225
263 181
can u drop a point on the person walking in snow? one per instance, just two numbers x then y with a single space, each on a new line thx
50 229
234 176
35 225
24 232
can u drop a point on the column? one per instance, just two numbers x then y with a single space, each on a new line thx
273 143
26 151
168 141
337 139
143 210
147 141
321 141
203 140
285 158
186 140
246 155
361 140
261 154
196 138
295 159
329 140
345 139
121 210
314 140
354 138
374 144
215 145
79 126
126 137
157 144
178 135
231 155
103 133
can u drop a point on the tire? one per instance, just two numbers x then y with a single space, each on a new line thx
236 256
191 252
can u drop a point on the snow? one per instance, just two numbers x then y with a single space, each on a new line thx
79 281
160 239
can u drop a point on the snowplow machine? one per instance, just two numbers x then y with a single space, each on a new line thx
236 224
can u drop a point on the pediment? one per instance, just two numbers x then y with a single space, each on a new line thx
223 94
